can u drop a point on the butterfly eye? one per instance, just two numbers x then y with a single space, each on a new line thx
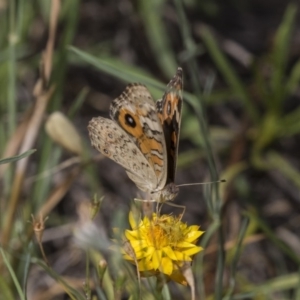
129 120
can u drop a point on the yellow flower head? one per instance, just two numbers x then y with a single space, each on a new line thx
162 244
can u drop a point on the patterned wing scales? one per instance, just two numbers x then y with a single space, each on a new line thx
143 137
135 112
109 139
169 113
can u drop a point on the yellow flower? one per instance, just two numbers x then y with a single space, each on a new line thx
162 245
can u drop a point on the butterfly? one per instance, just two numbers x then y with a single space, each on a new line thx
142 136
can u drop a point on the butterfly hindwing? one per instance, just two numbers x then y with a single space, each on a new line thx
109 139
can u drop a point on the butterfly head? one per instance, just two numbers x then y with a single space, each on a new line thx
176 82
169 192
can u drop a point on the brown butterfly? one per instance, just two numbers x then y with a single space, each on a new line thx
143 136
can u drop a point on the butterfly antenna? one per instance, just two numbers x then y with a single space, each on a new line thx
201 183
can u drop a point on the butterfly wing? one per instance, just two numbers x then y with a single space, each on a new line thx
169 112
109 139
144 137
135 112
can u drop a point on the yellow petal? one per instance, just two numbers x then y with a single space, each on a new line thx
182 256
166 266
192 236
144 265
139 254
169 251
192 251
130 235
146 222
148 258
194 228
133 220
149 251
185 244
156 259
138 245
134 234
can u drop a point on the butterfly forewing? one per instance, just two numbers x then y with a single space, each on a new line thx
169 112
135 112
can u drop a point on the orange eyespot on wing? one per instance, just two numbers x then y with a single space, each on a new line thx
135 112
130 123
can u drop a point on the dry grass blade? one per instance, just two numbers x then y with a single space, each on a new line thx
55 9
189 276
14 142
42 96
75 160
59 192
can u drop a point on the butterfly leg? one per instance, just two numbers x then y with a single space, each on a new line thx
159 205
158 208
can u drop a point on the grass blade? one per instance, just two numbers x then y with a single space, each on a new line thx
17 157
228 72
151 12
13 275
280 56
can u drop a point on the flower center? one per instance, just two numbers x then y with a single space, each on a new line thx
157 237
